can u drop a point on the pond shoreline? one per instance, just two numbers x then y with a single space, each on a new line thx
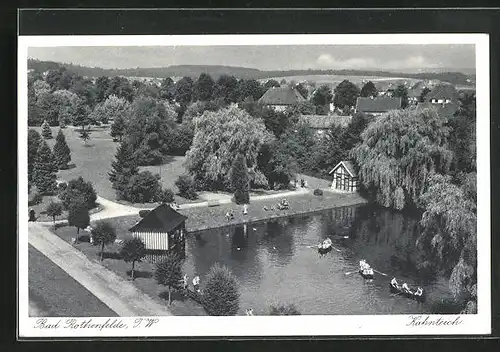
206 218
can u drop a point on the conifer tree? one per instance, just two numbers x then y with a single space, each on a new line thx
239 180
44 171
118 127
46 131
34 140
62 153
123 167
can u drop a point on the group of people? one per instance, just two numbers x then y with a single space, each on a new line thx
303 183
230 213
196 283
364 265
405 287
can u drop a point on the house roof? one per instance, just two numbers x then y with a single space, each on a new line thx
348 166
325 121
441 109
378 104
281 96
443 90
163 218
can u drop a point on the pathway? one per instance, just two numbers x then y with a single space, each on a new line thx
118 294
114 210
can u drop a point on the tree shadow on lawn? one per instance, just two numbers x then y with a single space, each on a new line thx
176 295
141 274
111 255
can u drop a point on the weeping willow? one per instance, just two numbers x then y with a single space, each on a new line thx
399 152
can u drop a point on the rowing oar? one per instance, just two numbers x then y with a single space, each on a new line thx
380 272
351 272
338 250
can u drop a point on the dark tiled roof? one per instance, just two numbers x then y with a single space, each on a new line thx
379 104
325 121
443 90
163 219
281 96
442 109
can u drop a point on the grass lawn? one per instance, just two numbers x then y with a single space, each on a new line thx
56 294
93 162
144 271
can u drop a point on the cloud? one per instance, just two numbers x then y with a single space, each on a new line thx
327 61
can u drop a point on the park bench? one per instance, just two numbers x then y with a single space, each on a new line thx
213 203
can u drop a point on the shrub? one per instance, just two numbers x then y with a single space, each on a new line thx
143 213
318 192
36 199
282 309
221 296
166 196
186 186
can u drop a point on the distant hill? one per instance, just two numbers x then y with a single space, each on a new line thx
456 78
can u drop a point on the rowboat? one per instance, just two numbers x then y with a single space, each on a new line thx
325 246
365 270
410 292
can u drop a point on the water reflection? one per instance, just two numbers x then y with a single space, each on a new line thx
277 262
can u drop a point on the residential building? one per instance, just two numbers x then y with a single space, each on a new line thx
444 98
377 106
280 98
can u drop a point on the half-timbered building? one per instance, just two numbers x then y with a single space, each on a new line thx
345 177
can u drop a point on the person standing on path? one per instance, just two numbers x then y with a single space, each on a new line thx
196 283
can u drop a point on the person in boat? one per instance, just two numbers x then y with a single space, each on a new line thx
265 208
394 282
419 291
406 288
364 265
185 282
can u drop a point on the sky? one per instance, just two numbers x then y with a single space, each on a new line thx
284 57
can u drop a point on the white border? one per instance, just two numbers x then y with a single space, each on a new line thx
267 325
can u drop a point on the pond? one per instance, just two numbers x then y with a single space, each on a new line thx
276 262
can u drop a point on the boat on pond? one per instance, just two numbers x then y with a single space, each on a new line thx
325 246
416 293
365 269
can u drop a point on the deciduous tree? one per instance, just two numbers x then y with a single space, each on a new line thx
133 251
346 94
203 88
369 90
78 214
54 209
78 188
169 273
399 152
103 234
46 131
219 137
402 92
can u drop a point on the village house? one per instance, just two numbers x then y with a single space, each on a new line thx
377 106
280 98
161 230
444 99
345 177
322 123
